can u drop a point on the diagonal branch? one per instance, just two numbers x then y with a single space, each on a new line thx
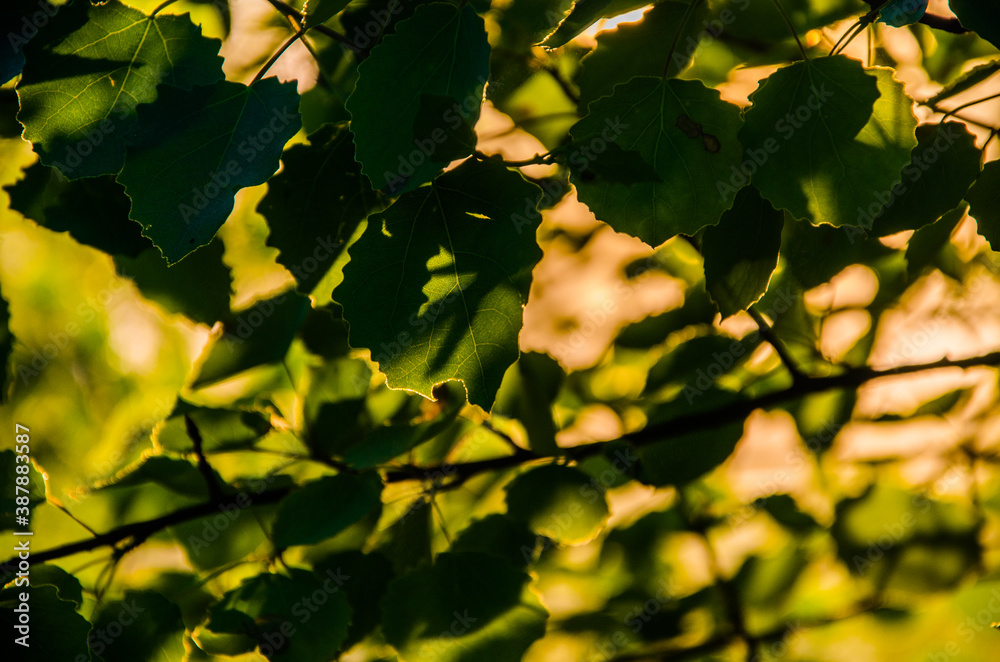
459 473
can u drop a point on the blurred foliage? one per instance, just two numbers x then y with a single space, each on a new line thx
699 449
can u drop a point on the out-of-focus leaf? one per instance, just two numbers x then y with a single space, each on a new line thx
459 608
221 429
984 203
151 628
55 632
323 508
981 16
561 503
175 474
36 488
584 14
315 203
259 335
741 252
527 392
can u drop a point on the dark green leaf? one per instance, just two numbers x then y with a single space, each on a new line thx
335 399
407 541
467 607
284 617
637 49
499 535
680 128
984 203
175 474
741 252
35 487
558 502
528 390
584 14
194 149
435 286
56 631
89 69
221 429
825 139
389 441
315 203
6 347
94 211
365 578
150 627
927 242
945 162
259 335
441 50
199 287
981 16
52 575
784 509
323 508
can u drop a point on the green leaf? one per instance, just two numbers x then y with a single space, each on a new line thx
199 287
528 390
687 363
455 141
315 203
561 503
441 50
88 71
35 487
94 211
684 131
966 81
687 455
637 49
825 139
367 577
323 508
57 631
318 12
259 335
435 286
467 607
407 541
981 16
335 400
944 164
389 441
283 617
175 474
155 629
6 347
584 14
927 242
786 512
984 203
194 149
67 585
741 252
221 429
499 535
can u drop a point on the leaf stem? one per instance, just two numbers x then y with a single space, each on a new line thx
788 22
278 53
291 12
766 332
163 5
677 36
967 104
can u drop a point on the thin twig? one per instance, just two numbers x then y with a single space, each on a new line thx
211 480
771 337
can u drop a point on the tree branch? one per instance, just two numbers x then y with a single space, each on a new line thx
461 472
